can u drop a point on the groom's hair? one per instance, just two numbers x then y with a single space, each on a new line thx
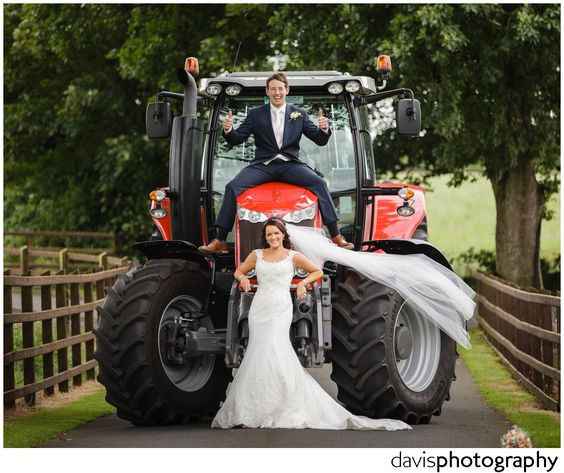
278 76
278 223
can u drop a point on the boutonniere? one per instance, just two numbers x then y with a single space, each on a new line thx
295 115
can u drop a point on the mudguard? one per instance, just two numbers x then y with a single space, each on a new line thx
181 249
408 247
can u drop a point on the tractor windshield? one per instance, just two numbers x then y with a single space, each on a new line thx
335 161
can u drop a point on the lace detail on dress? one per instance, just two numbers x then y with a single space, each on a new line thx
260 256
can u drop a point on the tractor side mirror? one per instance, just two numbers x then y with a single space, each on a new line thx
408 117
158 120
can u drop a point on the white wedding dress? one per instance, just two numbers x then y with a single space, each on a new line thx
271 389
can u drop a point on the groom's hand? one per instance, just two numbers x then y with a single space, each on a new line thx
228 122
323 121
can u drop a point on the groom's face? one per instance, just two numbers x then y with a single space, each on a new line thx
277 92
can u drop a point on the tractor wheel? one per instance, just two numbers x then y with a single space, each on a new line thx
388 361
144 389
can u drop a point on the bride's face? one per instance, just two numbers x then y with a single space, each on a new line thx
274 237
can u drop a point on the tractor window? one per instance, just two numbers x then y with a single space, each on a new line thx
335 161
204 114
367 135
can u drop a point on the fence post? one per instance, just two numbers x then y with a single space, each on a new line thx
64 260
28 340
103 260
99 291
62 361
47 334
89 327
24 260
75 330
555 316
9 376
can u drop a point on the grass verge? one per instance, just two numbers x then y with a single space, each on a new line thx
35 429
503 393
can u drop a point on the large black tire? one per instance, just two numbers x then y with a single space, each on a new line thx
127 346
364 356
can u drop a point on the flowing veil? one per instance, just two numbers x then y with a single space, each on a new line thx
439 294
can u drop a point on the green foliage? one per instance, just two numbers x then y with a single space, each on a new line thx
484 259
77 80
489 94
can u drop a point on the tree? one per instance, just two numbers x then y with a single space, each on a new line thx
488 79
77 81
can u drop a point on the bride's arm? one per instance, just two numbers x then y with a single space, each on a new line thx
240 273
314 273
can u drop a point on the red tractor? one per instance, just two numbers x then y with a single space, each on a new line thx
171 330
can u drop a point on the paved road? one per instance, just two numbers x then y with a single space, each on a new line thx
465 422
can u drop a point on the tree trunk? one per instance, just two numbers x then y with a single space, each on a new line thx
519 204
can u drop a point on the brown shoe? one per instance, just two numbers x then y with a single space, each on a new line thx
340 241
215 246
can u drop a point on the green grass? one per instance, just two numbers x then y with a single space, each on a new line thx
35 429
503 393
464 217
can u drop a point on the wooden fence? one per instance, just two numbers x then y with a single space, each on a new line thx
47 315
30 235
62 259
524 329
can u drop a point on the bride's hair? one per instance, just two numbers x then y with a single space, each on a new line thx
278 223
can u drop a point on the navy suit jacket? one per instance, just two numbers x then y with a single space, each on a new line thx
259 123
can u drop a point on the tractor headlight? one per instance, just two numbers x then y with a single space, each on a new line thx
159 212
214 89
405 210
251 215
352 86
335 88
233 89
299 215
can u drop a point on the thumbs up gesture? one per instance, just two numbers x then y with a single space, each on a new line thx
323 121
228 122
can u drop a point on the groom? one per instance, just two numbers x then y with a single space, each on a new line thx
277 128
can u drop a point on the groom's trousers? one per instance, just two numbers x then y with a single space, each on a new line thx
291 172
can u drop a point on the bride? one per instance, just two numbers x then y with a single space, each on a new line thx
271 389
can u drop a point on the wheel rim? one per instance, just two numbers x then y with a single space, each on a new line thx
417 348
194 374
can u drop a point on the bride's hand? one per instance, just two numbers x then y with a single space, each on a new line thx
301 291
245 285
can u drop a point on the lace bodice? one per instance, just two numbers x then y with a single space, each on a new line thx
274 275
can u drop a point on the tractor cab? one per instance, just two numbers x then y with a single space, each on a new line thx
346 162
341 162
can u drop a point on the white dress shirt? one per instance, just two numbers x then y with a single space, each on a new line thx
278 118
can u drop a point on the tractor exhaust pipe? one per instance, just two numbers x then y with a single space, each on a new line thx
186 161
